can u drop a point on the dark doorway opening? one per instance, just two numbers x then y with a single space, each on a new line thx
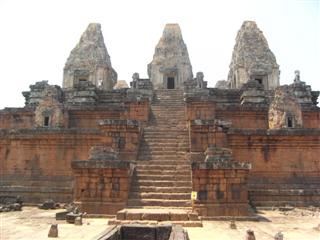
259 80
170 83
46 121
289 122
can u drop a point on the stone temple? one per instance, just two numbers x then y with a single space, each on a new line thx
139 152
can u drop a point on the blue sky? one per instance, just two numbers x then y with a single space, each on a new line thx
37 36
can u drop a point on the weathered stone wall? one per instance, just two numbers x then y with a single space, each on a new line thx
16 118
221 192
311 119
254 118
103 188
36 164
89 117
285 164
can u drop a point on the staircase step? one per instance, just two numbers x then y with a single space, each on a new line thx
159 202
163 177
165 172
159 183
160 195
163 148
145 215
163 167
186 189
166 162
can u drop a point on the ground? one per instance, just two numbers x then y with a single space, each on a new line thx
33 223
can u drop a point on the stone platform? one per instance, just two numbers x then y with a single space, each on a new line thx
156 216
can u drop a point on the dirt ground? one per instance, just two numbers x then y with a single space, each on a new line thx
33 223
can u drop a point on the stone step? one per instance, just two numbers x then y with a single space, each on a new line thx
169 149
165 172
164 131
164 144
155 160
150 222
173 112
170 105
142 177
169 154
163 167
161 138
149 158
185 189
168 108
158 215
169 118
159 202
159 183
166 162
160 195
164 125
147 155
166 141
174 152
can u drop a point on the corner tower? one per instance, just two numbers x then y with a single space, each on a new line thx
90 62
252 59
170 66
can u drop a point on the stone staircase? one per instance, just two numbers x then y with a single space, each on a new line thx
162 182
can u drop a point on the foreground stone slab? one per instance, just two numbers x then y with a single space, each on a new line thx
157 216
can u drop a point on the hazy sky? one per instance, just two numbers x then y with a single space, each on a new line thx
38 35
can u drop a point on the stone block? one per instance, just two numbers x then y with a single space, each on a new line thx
156 216
193 216
61 215
53 232
178 216
121 215
134 216
78 221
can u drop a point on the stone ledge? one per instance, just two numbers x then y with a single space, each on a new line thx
101 164
274 132
221 165
119 122
46 130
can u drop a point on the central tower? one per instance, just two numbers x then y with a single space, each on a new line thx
170 66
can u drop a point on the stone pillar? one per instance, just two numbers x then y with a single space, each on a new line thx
221 184
102 183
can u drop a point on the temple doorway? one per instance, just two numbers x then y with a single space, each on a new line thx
170 83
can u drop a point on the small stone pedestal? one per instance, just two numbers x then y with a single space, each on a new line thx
221 184
102 182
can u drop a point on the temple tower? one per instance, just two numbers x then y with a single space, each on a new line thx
252 59
90 62
170 66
